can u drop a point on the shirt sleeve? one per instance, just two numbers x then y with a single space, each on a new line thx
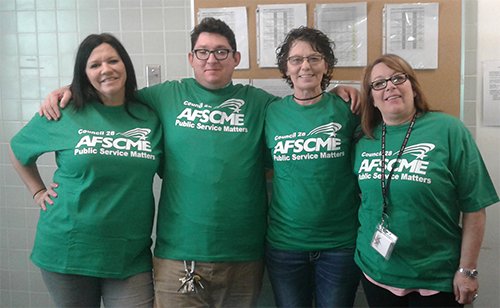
33 140
475 189
152 96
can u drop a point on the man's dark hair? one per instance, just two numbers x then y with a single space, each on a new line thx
212 25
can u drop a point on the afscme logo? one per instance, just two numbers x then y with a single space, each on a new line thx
313 144
141 133
329 129
234 104
418 165
216 116
125 143
418 150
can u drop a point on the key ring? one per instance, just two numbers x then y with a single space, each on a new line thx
193 264
190 282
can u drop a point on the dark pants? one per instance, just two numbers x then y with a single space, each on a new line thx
382 298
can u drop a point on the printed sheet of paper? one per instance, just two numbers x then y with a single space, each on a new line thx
411 31
491 93
273 23
277 87
346 26
236 18
244 82
350 83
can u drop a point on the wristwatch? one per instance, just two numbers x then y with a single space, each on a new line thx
472 273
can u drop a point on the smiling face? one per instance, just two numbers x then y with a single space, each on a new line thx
107 74
213 73
306 77
396 103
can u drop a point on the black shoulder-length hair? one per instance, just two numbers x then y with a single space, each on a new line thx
81 88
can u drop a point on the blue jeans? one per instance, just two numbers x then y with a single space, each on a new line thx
329 278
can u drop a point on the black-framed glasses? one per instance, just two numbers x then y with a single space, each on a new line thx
298 60
381 84
220 54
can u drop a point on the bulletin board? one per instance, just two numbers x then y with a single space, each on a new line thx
441 86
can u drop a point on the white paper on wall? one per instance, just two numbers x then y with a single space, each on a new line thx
491 93
273 23
411 31
279 87
236 18
346 25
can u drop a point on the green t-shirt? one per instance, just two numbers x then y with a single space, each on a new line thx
101 222
316 197
213 203
441 174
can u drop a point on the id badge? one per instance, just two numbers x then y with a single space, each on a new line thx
384 241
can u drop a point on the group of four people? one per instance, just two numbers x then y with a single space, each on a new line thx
211 141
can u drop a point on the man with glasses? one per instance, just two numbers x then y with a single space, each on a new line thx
213 203
212 212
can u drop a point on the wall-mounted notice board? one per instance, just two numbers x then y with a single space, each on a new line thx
441 85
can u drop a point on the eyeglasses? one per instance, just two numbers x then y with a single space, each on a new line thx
297 60
381 84
220 54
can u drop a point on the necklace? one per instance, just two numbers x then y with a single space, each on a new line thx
307 99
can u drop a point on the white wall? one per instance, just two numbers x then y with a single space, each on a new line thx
156 32
38 40
488 140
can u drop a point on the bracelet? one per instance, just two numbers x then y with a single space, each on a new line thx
38 192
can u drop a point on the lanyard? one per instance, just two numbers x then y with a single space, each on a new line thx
385 187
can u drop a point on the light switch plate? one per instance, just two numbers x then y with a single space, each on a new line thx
153 74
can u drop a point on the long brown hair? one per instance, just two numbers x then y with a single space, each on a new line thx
370 115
